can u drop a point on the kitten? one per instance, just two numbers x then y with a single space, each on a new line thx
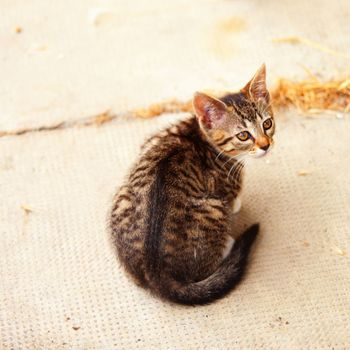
171 220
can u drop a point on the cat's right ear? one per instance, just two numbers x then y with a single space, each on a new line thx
209 110
256 88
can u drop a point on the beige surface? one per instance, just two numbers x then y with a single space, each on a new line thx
58 271
62 66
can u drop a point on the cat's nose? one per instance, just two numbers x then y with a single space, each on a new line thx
265 147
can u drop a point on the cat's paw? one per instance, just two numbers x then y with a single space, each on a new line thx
237 204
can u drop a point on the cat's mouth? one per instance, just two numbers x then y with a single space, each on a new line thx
258 153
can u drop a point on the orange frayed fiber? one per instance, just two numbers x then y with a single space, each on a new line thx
313 95
308 96
171 106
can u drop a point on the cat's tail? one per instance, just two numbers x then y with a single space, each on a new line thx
221 282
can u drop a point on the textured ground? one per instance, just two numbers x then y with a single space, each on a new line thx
60 285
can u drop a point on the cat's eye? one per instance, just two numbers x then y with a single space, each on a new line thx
267 124
243 135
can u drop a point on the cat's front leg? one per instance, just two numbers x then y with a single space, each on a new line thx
236 205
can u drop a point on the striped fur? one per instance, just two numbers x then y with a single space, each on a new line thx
175 202
171 220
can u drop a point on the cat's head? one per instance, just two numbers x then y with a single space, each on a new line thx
240 123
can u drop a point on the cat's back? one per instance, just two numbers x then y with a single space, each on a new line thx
156 172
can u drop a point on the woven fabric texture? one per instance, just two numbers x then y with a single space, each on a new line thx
61 285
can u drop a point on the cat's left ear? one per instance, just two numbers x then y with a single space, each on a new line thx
209 110
256 88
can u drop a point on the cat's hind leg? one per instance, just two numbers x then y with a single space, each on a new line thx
228 246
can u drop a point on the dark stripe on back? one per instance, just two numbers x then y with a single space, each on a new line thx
156 215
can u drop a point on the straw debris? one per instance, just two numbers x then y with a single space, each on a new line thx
304 172
309 96
171 106
294 40
339 251
27 210
312 95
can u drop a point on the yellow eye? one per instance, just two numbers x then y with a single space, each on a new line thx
267 124
243 136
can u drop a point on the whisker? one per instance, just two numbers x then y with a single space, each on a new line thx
236 172
220 153
231 158
237 158
228 175
228 160
238 165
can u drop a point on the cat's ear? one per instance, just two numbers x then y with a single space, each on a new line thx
209 110
256 88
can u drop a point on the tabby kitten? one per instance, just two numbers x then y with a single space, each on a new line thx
171 220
